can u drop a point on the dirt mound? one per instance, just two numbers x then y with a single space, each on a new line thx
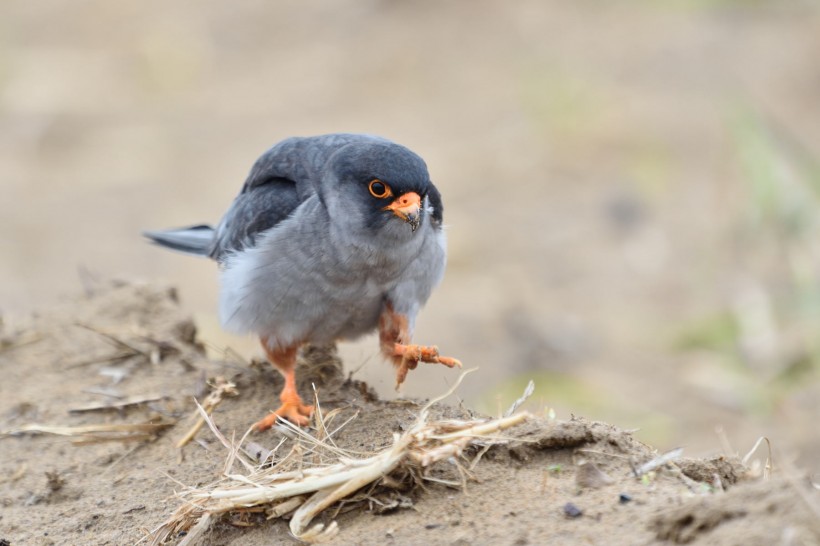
127 357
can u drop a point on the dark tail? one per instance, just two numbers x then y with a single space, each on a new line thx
190 240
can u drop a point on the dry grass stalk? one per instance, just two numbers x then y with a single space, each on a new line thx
220 388
658 461
308 485
118 404
101 432
136 350
527 393
767 469
127 349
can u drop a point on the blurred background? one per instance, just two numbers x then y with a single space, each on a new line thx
631 188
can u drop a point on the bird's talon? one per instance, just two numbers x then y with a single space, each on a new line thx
409 356
449 362
298 414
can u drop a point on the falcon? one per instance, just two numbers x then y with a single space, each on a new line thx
330 238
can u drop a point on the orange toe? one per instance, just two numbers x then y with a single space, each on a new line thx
408 357
402 368
297 413
449 362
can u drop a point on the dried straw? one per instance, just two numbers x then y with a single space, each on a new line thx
316 474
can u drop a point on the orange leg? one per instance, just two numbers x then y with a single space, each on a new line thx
292 408
394 338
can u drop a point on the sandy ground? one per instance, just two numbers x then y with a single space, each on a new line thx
609 233
555 481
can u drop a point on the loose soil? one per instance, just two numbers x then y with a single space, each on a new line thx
555 481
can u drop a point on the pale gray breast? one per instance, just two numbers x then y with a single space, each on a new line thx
301 283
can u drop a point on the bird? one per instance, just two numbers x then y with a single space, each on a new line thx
330 238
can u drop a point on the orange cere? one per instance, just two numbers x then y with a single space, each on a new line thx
405 205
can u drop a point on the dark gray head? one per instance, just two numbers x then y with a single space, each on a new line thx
377 184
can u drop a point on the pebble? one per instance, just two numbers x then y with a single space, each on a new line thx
572 511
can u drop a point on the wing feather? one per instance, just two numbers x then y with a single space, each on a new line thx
280 180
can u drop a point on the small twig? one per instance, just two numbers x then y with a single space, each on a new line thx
356 370
658 461
221 387
114 357
693 485
767 469
221 437
96 433
115 340
527 393
119 404
479 455
451 390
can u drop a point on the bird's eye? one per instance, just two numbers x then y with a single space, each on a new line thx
379 189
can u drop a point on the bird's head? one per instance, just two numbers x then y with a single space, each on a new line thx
381 186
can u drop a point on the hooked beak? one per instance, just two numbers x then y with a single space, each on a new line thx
408 208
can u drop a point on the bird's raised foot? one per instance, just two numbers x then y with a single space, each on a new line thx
411 355
294 411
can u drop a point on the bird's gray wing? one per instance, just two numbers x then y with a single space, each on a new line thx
280 180
253 212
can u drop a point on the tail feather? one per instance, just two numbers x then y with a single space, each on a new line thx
190 240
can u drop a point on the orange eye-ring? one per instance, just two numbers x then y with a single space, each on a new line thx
379 189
